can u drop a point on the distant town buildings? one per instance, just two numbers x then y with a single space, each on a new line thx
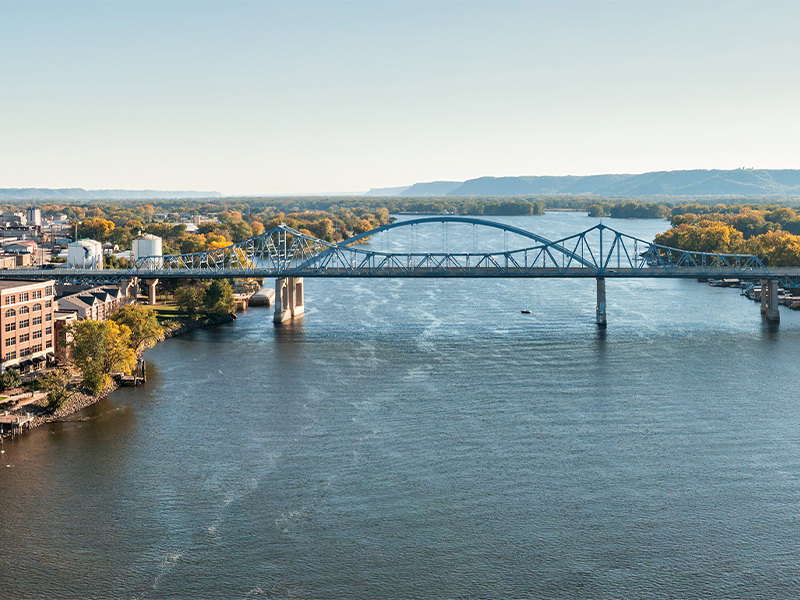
14 219
20 247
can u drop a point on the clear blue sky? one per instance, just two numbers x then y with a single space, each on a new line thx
293 97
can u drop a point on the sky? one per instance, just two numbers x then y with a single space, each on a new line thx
293 97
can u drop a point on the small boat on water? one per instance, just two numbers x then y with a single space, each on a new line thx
525 312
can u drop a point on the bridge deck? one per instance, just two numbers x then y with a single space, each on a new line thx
115 275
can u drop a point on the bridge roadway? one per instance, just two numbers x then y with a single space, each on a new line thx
789 276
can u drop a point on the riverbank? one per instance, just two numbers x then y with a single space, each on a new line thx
173 328
79 400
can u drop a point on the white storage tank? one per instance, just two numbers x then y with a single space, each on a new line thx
85 254
34 216
148 245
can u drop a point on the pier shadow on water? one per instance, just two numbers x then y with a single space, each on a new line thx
289 331
770 330
600 339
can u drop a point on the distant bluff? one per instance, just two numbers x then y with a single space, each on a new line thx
778 183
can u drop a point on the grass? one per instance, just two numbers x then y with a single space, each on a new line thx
168 311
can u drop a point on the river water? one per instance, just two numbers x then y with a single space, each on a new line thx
424 439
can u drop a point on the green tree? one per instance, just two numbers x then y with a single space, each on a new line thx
100 349
190 298
56 384
218 298
239 230
596 210
10 379
142 321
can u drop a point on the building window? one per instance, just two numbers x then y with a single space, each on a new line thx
24 352
48 331
49 290
37 294
11 299
24 297
48 344
37 320
37 307
37 348
37 334
48 317
24 323
11 313
24 310
10 341
10 327
11 355
48 303
24 338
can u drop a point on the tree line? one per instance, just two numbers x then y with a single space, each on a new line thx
770 232
695 225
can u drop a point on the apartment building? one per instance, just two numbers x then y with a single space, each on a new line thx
88 302
26 324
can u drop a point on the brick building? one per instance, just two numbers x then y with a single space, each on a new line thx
26 324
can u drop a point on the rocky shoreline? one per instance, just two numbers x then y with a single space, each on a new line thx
184 326
80 400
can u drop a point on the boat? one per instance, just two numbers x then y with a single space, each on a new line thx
525 312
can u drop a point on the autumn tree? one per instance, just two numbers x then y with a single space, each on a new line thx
99 349
143 324
96 228
257 227
56 384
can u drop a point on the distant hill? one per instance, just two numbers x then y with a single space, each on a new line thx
389 191
79 194
433 188
740 182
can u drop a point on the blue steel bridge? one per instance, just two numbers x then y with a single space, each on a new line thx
289 256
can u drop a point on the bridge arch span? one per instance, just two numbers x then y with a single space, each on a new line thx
524 233
447 219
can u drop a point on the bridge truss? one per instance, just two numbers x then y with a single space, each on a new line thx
599 252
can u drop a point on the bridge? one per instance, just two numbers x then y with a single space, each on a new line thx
289 256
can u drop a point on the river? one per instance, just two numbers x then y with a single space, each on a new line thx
424 439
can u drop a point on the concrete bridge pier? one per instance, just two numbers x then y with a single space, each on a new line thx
151 291
289 303
600 310
128 287
769 300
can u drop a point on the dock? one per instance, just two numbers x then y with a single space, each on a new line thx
14 424
130 380
137 377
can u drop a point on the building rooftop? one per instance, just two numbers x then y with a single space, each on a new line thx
8 284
